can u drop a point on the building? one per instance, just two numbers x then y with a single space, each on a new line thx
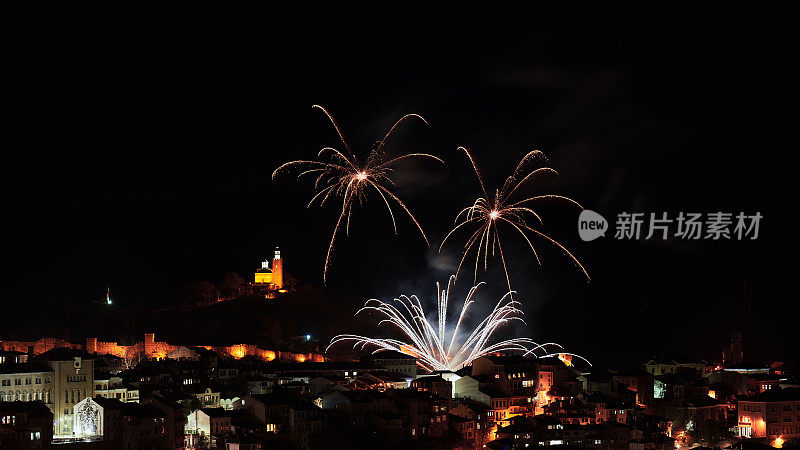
466 430
205 425
120 425
377 380
513 374
434 384
293 421
208 398
427 412
367 410
663 366
639 381
60 378
26 382
499 405
12 356
396 362
270 277
111 386
25 425
469 388
478 413
183 353
703 409
770 415
345 369
73 381
175 420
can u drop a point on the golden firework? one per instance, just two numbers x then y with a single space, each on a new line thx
486 214
339 174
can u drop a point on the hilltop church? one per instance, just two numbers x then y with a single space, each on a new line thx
271 279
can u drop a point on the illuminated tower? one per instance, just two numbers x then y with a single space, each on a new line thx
277 269
149 344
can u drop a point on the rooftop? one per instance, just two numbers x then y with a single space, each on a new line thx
777 395
674 359
63 354
36 408
28 367
391 354
216 412
283 399
11 352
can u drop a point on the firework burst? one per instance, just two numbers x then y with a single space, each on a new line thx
487 214
339 174
434 345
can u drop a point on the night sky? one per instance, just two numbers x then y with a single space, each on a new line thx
138 145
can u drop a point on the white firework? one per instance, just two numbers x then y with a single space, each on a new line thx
438 348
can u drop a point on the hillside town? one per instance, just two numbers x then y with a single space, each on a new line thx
54 393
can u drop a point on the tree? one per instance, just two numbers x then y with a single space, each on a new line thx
232 285
202 293
131 359
710 432
190 405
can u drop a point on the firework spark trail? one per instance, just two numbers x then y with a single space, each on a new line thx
486 214
340 174
432 346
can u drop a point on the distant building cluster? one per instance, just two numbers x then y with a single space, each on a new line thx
238 397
